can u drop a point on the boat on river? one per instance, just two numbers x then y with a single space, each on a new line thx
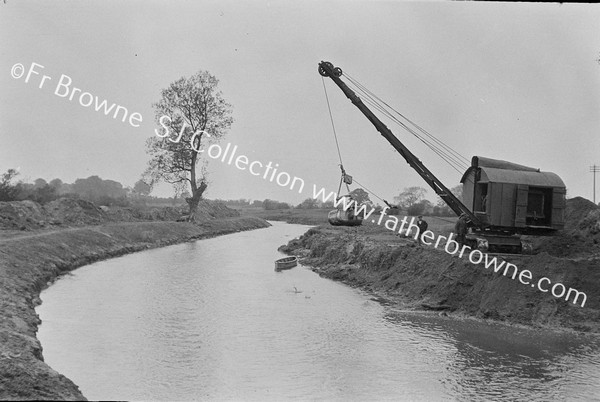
286 263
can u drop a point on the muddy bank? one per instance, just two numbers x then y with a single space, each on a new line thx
72 212
30 260
425 278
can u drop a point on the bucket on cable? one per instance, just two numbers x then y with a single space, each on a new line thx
341 217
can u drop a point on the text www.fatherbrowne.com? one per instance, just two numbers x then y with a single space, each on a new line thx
270 172
450 246
64 89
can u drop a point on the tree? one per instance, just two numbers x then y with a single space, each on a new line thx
361 196
142 188
56 184
189 109
8 191
420 208
410 196
100 192
326 205
309 203
39 183
41 193
270 205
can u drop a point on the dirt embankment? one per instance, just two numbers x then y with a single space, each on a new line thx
69 212
431 279
31 260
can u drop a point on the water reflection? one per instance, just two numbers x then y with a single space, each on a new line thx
212 320
497 362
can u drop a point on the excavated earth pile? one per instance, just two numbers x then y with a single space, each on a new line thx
581 235
69 212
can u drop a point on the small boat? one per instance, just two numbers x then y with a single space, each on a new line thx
286 263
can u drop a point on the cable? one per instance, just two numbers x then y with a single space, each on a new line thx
332 124
369 191
371 94
449 155
450 159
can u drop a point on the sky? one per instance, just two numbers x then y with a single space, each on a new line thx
512 81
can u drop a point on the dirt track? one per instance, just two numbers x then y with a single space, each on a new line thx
30 261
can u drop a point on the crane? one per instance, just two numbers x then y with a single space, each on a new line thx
482 234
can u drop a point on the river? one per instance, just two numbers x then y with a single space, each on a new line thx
212 320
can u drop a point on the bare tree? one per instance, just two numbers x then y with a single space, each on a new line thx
189 110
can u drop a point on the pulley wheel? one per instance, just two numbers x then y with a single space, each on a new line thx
322 70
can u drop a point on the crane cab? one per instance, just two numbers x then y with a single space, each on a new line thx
515 198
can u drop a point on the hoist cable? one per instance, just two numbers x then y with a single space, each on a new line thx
369 191
456 165
332 123
446 156
447 149
375 97
452 162
451 156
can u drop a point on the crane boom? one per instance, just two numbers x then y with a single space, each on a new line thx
326 69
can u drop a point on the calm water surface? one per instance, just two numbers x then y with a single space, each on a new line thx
212 320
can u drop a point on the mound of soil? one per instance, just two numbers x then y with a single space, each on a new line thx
212 209
22 215
70 211
581 235
137 214
29 215
577 210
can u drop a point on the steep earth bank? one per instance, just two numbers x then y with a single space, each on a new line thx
430 279
30 261
69 212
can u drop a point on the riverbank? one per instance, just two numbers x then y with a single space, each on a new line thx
31 260
312 217
429 279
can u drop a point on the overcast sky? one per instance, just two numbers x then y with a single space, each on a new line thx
512 81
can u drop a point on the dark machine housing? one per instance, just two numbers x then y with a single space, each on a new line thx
515 198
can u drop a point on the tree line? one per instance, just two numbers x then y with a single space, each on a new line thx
94 189
411 201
